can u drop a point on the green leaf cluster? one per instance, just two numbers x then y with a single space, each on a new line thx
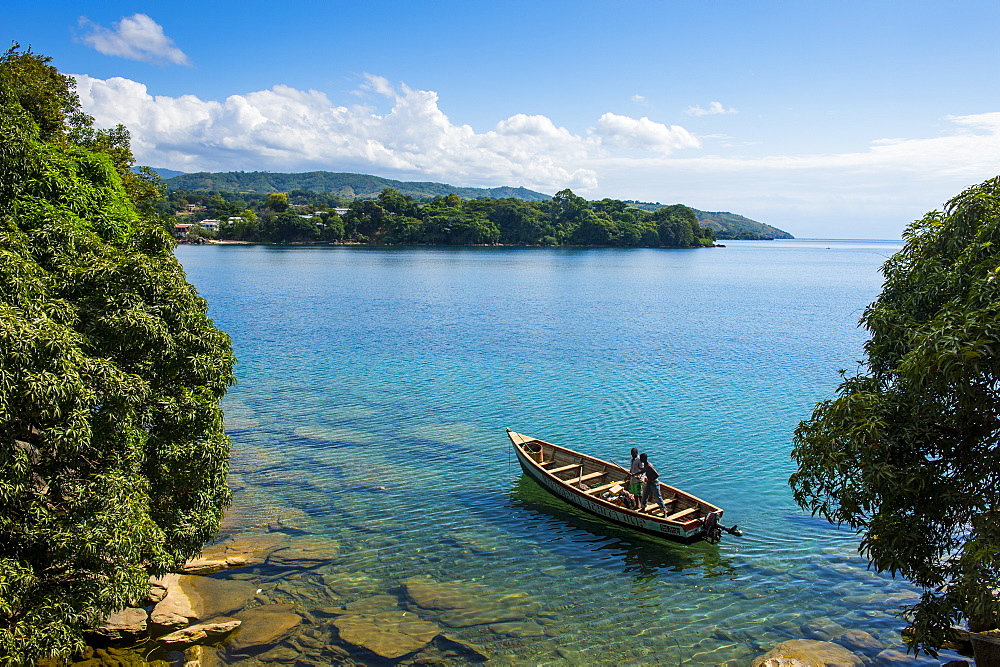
113 458
908 453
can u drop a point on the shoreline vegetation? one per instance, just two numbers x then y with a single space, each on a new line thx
114 458
318 191
197 240
229 603
394 218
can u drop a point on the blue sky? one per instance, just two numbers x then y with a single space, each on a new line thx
827 119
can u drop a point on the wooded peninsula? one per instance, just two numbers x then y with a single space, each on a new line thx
350 208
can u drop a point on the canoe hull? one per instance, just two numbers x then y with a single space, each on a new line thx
685 532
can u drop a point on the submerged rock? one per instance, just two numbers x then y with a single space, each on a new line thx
351 583
430 594
264 626
897 657
240 424
469 651
281 654
373 605
390 634
823 630
460 605
202 633
344 435
255 509
244 549
859 640
473 542
191 598
200 656
518 629
304 552
808 653
204 566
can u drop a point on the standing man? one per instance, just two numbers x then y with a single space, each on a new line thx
634 471
652 484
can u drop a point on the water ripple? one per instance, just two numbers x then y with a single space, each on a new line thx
375 385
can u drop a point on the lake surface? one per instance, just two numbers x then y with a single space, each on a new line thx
375 385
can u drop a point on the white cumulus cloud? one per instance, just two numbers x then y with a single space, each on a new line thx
136 37
871 193
394 130
287 129
643 133
714 108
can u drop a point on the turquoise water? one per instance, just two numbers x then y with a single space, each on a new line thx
375 385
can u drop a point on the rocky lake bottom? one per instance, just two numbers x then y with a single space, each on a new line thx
383 521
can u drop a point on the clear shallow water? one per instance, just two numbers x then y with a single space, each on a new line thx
375 385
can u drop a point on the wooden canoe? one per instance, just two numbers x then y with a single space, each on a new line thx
582 480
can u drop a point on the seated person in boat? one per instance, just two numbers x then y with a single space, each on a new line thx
652 485
621 497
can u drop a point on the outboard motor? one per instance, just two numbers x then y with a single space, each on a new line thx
713 529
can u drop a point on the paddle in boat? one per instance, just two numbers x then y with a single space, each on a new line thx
596 486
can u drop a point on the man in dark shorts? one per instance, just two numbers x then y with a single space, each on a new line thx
652 485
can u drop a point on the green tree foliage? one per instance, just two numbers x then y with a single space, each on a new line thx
520 223
51 101
325 189
333 227
394 218
290 228
360 186
241 227
365 221
908 453
677 226
277 202
113 458
394 203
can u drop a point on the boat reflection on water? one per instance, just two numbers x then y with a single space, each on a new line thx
563 527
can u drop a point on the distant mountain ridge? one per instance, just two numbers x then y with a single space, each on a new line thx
167 173
363 186
359 186
732 226
727 226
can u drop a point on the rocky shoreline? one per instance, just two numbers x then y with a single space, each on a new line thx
275 590
195 618
231 605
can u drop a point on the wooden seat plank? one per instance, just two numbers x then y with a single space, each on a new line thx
592 476
565 468
653 505
682 513
603 487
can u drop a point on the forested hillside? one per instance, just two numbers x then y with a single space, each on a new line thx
324 188
351 186
733 226
397 219
727 226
